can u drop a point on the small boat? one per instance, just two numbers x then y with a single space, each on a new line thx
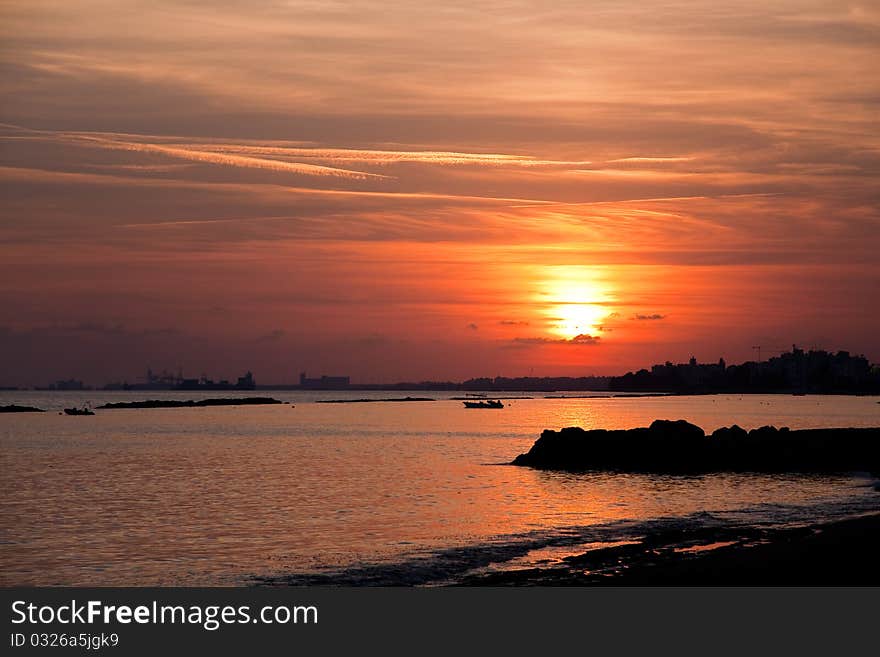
85 410
488 403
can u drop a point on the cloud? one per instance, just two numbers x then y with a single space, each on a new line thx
272 336
372 340
653 160
385 157
93 329
186 153
139 168
582 339
731 155
608 325
110 141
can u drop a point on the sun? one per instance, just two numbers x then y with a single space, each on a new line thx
576 301
573 319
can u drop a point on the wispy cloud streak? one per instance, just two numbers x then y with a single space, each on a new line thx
373 156
197 155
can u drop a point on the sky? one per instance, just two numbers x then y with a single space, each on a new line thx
421 190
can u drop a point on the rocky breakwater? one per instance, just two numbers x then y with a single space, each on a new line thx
677 446
190 403
15 408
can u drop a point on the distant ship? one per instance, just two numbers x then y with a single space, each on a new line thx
488 403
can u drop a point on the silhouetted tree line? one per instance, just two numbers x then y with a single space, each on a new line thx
537 384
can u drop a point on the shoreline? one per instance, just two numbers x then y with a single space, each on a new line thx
835 553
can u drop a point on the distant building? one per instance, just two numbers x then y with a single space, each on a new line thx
169 381
164 381
68 384
324 383
797 371
245 382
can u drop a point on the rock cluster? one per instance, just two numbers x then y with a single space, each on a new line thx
679 446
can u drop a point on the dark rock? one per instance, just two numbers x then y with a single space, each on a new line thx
15 408
763 433
681 447
729 435
367 400
189 403
675 430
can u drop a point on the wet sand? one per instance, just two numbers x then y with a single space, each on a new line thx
842 553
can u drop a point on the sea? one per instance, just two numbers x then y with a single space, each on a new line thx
411 493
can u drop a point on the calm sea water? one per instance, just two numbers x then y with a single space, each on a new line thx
217 496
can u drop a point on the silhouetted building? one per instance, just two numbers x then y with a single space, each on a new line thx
536 384
168 381
245 382
796 371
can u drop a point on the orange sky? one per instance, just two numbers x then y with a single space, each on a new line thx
433 190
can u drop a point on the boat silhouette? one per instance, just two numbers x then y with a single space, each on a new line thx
85 410
488 403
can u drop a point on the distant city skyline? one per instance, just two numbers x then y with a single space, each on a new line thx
404 190
694 372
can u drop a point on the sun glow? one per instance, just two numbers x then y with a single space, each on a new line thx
576 301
